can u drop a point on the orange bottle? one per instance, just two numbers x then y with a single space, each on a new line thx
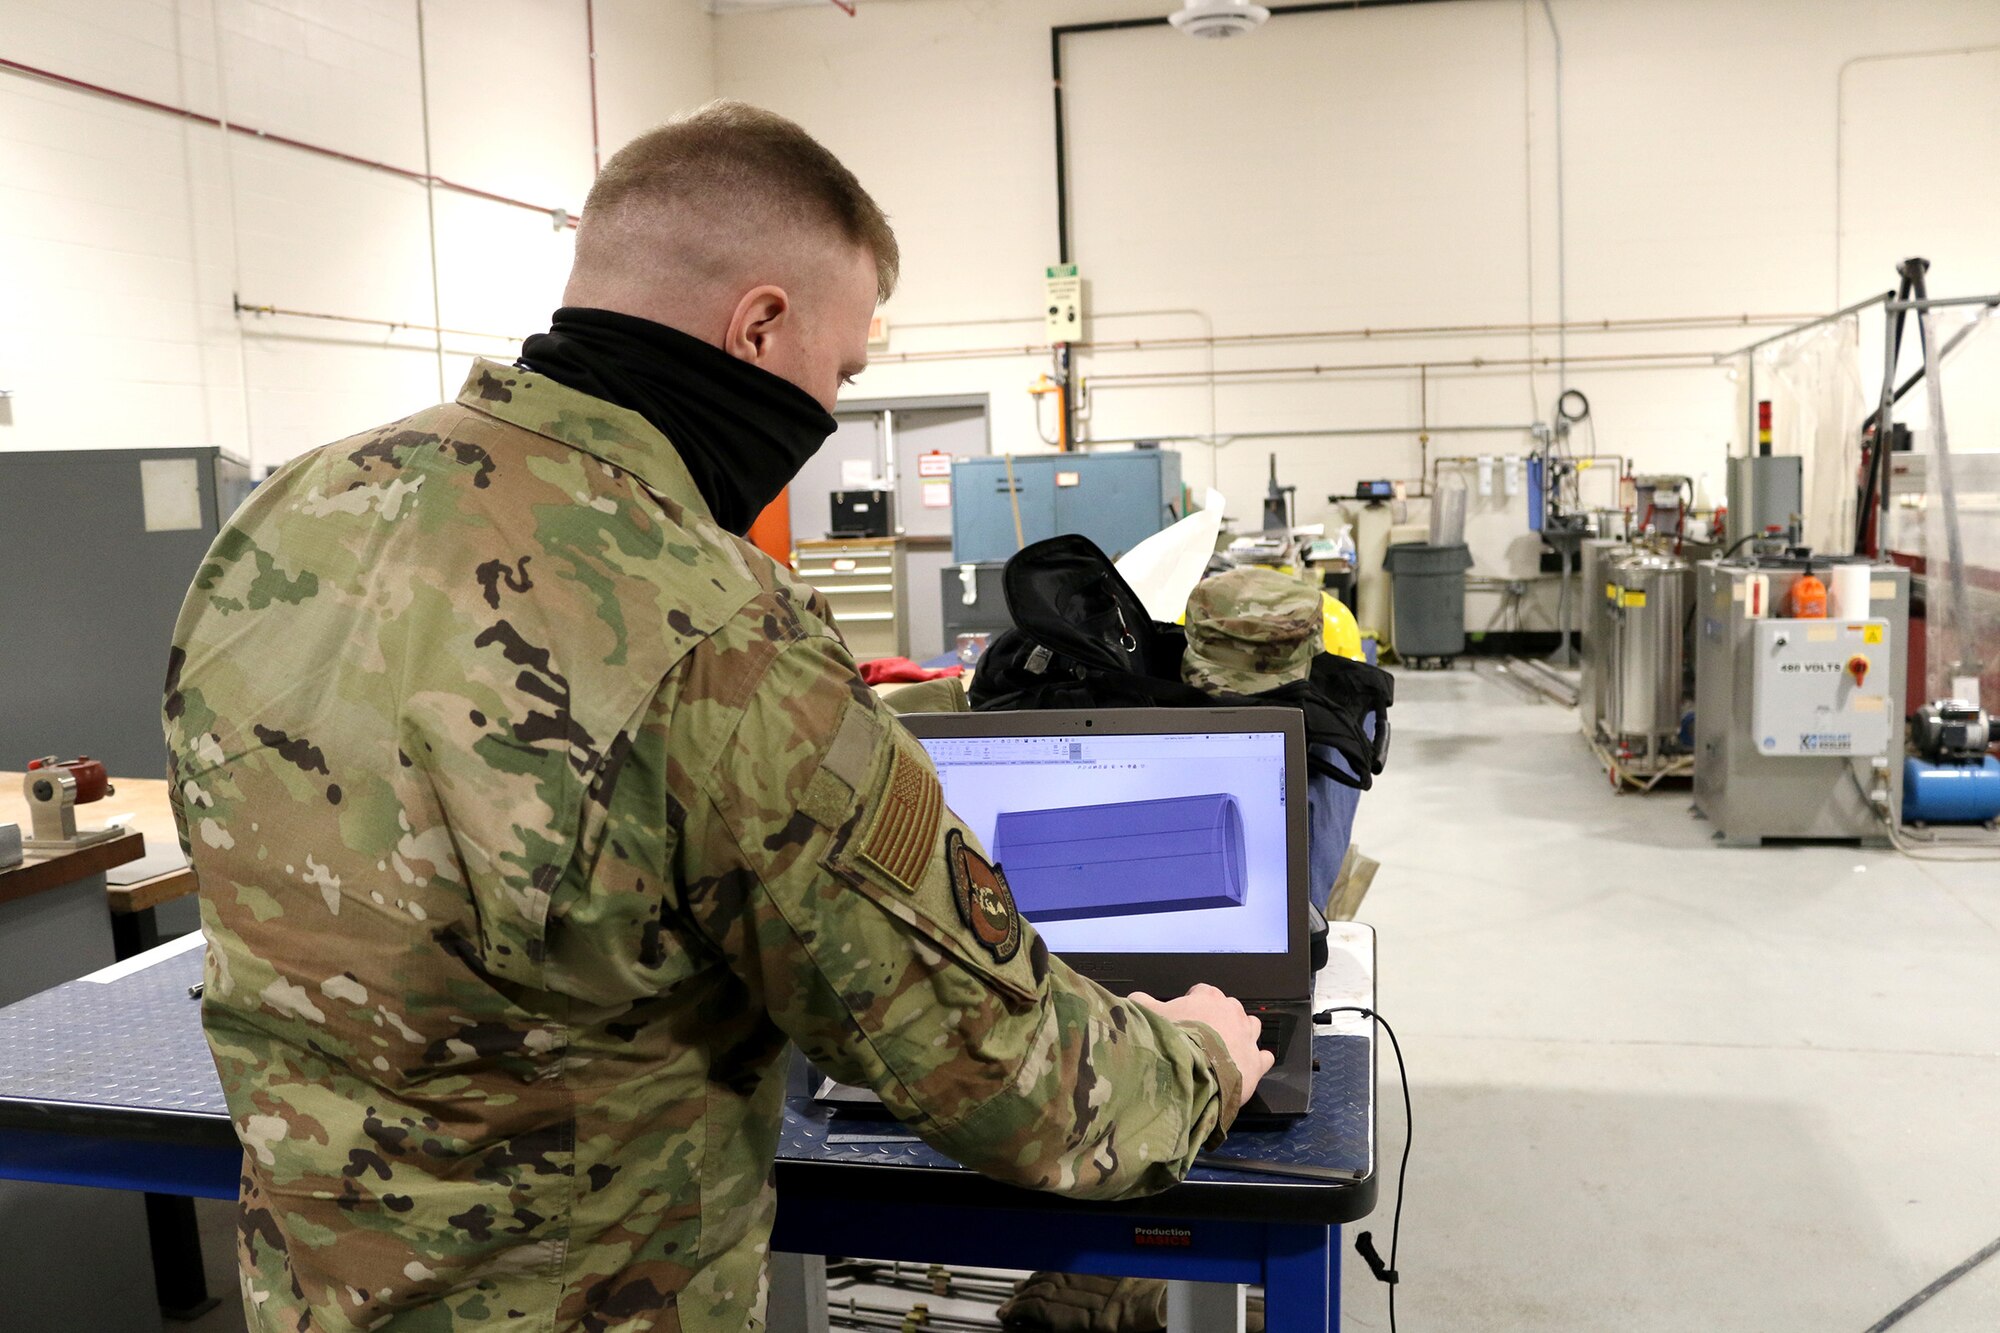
1808 598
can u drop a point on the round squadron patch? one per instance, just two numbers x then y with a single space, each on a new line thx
985 903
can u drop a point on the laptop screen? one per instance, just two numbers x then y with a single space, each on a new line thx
1166 844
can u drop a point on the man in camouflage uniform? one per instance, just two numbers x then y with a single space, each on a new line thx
536 813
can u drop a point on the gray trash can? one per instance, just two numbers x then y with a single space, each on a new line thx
1429 590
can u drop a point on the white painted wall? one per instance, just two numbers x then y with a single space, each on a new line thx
1388 168
125 232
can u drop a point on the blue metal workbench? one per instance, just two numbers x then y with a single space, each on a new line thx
108 1083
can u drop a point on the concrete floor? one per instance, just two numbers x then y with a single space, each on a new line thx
1659 1084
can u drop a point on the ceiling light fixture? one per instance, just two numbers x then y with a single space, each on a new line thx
1218 18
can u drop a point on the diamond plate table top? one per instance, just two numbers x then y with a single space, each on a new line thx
134 1043
126 1058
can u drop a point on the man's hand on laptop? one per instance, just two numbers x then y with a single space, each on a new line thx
1206 1004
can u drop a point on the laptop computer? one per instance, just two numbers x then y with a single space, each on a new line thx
1153 848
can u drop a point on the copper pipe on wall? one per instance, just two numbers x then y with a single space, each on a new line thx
1142 378
590 43
561 217
1364 334
244 307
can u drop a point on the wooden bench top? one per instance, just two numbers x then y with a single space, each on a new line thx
151 823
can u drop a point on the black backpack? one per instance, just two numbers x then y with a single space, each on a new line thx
1082 639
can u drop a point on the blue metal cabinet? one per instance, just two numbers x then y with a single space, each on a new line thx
1115 499
982 515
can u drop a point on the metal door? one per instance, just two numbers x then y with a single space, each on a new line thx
958 432
101 545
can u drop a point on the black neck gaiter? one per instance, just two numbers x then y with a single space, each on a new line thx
743 432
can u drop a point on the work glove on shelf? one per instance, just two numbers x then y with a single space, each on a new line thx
1081 1303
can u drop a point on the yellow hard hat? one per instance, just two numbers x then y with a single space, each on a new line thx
1340 630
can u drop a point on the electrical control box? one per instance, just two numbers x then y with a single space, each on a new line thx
1821 687
1063 309
1797 723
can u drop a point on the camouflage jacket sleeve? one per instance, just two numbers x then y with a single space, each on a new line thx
820 859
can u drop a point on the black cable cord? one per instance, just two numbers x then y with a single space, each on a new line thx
1909 1307
1738 543
1364 1245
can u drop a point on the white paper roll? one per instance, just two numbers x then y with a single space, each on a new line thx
1848 591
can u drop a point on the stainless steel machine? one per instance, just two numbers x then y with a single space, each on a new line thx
1594 626
1646 597
1798 722
1632 695
1765 492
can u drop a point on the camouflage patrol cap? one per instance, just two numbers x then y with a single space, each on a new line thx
1250 630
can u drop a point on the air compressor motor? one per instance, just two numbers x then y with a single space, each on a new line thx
1951 779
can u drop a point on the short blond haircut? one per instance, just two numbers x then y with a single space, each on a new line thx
730 165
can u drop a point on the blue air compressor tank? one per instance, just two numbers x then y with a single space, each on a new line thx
1951 793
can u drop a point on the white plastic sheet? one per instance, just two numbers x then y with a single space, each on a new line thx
1813 382
1164 568
1448 514
1961 529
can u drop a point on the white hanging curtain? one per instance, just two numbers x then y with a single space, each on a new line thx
1961 515
1813 382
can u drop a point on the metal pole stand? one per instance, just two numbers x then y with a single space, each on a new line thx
1567 543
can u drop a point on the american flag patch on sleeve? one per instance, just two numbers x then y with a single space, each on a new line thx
903 830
